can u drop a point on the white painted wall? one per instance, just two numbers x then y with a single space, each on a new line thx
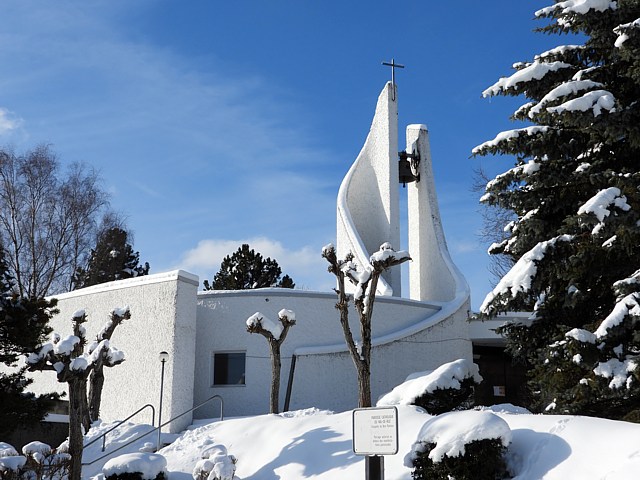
409 336
163 318
368 205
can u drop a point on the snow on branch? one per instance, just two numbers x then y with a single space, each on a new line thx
597 101
623 31
509 135
563 90
518 279
628 305
577 6
534 71
259 323
618 371
600 203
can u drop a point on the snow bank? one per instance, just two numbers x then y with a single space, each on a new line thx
450 432
445 376
150 465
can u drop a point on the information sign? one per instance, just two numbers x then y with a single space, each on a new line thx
375 431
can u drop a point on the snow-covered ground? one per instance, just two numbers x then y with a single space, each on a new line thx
318 444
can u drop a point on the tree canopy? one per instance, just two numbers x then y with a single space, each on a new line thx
48 219
246 269
23 328
574 193
112 258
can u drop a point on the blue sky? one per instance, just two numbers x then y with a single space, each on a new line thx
216 123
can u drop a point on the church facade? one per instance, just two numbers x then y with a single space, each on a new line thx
204 333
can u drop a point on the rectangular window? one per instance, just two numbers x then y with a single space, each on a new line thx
228 368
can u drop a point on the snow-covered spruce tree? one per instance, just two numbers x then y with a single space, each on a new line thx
575 193
24 325
113 258
73 366
245 269
275 333
366 282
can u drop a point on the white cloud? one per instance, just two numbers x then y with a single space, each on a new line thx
8 121
305 265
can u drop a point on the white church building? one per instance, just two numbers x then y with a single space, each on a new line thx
204 333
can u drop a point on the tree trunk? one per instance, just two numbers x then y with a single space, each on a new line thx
364 384
96 382
84 408
76 400
275 377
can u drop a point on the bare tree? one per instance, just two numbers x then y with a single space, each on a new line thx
47 221
493 232
275 334
366 282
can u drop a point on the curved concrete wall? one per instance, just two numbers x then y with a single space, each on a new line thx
409 336
368 204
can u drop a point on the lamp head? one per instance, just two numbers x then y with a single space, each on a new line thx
163 356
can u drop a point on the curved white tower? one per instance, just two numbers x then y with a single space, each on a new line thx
368 210
368 206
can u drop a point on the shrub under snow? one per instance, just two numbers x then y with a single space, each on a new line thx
140 465
467 445
446 388
216 464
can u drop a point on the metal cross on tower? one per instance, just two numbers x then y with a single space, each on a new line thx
393 66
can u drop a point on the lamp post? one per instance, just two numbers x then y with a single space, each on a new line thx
163 357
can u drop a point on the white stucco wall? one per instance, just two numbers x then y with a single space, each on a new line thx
368 204
410 336
163 318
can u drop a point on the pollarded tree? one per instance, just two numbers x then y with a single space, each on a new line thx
366 282
245 269
66 356
574 192
112 259
23 328
103 359
275 333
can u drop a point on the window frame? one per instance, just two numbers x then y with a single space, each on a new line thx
212 376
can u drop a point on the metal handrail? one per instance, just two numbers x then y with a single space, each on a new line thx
159 427
104 435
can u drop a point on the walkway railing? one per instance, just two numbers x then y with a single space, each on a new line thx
159 427
104 435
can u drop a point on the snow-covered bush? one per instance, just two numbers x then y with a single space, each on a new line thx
216 464
38 461
11 463
467 445
448 387
136 466
45 462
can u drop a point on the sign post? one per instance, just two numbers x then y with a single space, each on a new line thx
375 433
